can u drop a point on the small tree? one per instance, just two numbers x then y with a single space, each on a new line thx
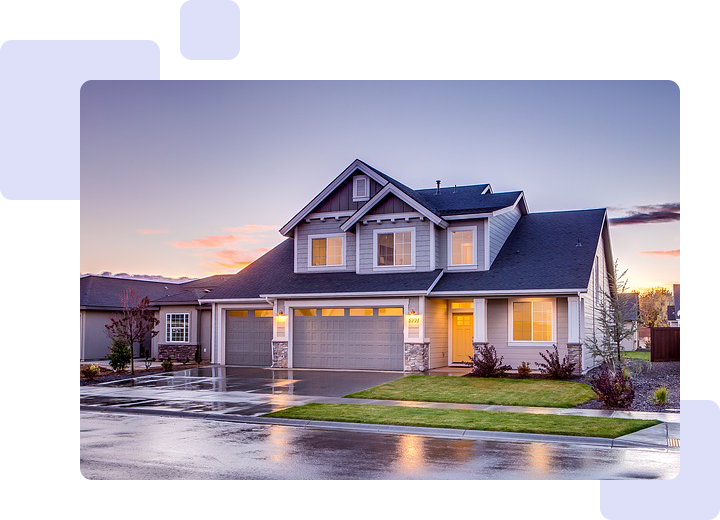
613 320
653 306
134 323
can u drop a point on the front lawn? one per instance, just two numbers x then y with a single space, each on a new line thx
466 419
510 392
643 356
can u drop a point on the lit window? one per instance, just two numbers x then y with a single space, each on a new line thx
333 312
263 313
327 251
462 247
177 327
532 321
462 305
390 311
394 248
361 188
361 312
305 312
238 314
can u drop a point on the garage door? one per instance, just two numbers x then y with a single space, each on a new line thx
355 338
248 337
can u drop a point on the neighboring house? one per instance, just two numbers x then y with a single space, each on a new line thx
631 312
375 275
697 309
672 316
100 300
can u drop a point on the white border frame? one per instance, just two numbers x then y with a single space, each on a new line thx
410 267
517 343
167 322
459 267
339 267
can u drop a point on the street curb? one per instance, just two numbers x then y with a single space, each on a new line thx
444 433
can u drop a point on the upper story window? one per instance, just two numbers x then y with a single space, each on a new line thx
532 320
394 248
327 250
462 247
177 327
361 188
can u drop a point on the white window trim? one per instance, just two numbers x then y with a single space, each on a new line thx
356 180
167 327
474 264
410 267
517 343
326 267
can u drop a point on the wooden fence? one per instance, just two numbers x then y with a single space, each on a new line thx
665 344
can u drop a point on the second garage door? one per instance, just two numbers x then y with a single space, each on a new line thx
248 337
354 338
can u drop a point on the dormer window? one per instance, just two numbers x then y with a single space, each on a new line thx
361 188
462 247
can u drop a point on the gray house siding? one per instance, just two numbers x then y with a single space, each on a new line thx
341 198
206 334
391 204
94 341
436 330
316 227
422 243
500 228
597 285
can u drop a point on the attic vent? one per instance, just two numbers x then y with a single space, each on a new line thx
437 190
578 244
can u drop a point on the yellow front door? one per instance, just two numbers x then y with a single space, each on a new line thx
462 334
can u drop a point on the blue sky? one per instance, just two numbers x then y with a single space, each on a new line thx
192 178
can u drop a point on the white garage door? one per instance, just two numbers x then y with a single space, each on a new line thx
353 338
248 337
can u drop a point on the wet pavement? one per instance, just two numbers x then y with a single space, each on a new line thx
119 446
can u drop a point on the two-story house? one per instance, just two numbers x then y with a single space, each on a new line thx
375 275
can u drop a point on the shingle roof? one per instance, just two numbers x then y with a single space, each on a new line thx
540 253
209 282
105 291
273 273
631 307
696 296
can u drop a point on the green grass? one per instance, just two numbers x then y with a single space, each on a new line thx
475 390
644 356
466 419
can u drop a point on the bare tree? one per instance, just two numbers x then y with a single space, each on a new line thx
653 306
614 321
134 323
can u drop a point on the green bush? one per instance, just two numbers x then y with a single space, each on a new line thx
660 395
523 370
120 356
90 372
167 364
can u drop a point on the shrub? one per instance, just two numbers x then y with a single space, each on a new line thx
523 370
90 372
148 362
660 395
554 367
184 360
120 356
167 364
613 387
486 363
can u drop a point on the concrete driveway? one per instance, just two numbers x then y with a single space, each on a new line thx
230 390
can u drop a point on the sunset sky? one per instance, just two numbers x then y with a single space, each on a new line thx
195 178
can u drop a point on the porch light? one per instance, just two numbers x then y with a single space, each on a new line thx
412 312
281 318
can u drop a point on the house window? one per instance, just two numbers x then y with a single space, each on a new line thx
333 312
462 246
462 305
238 314
394 249
390 311
532 320
263 313
361 312
177 327
361 188
305 312
326 251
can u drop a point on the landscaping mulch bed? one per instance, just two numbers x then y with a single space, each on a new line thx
646 378
109 375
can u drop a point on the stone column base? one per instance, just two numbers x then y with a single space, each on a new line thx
279 354
416 357
575 355
176 352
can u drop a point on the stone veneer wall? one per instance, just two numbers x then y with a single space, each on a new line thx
279 354
575 355
175 352
416 357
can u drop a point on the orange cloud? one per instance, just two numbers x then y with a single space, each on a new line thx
230 259
158 231
251 228
684 252
212 242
